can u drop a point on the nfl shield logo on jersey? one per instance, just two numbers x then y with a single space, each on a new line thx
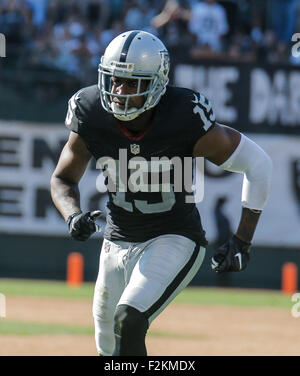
135 149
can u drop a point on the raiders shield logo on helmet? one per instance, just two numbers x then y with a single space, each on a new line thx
106 247
135 149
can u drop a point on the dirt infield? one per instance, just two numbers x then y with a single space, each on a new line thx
179 330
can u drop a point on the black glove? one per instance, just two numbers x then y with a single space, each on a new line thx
82 225
232 256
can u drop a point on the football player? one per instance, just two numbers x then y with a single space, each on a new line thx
154 243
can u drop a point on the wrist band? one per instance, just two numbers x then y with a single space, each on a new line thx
69 220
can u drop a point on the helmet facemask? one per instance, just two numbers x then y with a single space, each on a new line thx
158 81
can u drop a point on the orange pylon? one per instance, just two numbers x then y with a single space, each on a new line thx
289 278
75 269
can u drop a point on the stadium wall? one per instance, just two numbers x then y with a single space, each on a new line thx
44 257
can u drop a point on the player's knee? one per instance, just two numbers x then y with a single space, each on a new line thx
129 321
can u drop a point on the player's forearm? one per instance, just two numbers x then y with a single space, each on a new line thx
248 158
247 225
66 197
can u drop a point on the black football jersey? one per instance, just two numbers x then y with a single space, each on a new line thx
146 198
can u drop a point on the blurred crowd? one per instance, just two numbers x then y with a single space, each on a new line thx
71 35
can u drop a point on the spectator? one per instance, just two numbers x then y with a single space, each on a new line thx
14 18
138 16
282 15
116 9
171 25
208 21
65 59
240 48
69 34
107 35
97 12
39 10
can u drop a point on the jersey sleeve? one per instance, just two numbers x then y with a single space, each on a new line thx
202 117
75 113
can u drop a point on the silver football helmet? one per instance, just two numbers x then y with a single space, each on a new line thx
134 55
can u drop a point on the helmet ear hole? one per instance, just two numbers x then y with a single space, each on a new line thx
127 57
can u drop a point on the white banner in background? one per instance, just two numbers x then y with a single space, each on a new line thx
28 154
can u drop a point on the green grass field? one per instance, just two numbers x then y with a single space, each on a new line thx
191 295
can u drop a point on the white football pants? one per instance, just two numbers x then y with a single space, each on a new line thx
146 276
